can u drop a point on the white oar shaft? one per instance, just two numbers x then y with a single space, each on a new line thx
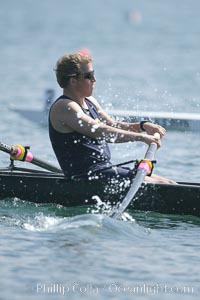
139 178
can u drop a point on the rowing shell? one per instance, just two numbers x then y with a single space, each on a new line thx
42 187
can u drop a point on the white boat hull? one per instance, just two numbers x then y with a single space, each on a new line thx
169 120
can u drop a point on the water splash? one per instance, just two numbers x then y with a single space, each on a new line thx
41 222
106 208
83 227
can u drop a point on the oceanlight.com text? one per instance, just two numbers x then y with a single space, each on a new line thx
111 288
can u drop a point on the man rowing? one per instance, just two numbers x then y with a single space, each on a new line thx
80 129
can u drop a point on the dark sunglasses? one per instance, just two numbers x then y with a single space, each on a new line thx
88 75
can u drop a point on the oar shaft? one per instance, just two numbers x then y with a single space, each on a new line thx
5 148
142 171
151 151
47 166
29 158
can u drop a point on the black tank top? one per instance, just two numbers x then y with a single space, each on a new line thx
78 154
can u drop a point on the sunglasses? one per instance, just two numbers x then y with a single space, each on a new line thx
89 75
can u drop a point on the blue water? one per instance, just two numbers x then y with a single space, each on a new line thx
146 57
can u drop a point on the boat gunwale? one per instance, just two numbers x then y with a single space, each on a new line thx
51 175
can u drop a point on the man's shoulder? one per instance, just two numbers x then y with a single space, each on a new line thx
63 103
93 100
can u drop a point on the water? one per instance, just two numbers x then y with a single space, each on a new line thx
146 57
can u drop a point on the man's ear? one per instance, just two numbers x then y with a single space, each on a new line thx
72 80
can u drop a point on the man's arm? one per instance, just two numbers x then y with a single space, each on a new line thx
149 127
71 118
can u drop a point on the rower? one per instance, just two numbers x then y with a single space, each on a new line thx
80 129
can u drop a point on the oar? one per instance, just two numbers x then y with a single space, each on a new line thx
144 168
18 152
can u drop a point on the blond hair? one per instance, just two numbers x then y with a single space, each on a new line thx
70 65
